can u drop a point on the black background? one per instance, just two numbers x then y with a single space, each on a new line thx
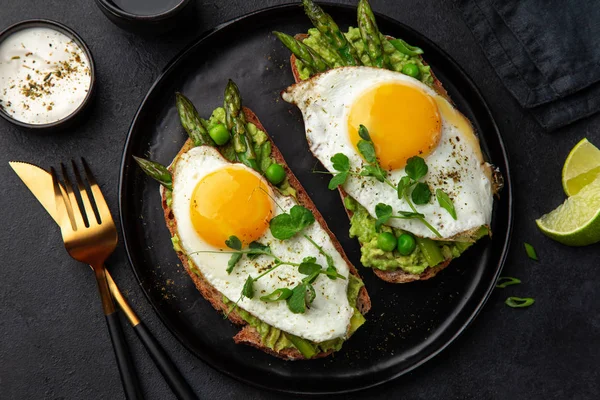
54 342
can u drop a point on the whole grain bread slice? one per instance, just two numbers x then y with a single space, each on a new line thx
395 276
248 334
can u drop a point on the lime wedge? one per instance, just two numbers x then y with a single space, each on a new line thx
581 167
576 222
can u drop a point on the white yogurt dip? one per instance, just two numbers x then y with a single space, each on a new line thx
44 75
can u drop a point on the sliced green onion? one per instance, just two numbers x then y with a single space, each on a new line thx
303 346
519 302
430 251
278 294
531 251
505 281
405 48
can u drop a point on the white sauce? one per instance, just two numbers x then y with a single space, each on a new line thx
44 75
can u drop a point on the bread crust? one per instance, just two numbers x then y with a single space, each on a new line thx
395 276
248 334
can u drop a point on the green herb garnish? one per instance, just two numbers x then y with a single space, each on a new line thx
531 253
416 168
309 266
234 243
233 260
285 226
409 188
505 281
421 194
277 294
366 148
256 249
248 289
405 48
384 212
445 202
297 301
519 302
331 271
341 163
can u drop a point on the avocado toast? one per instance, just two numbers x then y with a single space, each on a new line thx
254 332
325 48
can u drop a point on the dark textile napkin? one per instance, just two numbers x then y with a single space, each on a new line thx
547 53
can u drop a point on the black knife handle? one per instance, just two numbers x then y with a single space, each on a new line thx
176 381
129 378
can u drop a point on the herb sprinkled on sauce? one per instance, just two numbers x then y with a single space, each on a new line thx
44 75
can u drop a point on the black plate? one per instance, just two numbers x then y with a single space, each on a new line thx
408 324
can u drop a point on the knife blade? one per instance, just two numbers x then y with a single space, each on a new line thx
39 183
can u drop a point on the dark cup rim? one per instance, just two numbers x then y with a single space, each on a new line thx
80 42
116 11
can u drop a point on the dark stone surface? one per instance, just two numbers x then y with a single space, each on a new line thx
53 338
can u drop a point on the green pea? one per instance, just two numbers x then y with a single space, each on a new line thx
386 241
219 134
411 69
406 244
275 173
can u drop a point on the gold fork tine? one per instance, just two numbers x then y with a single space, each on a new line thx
92 244
85 199
78 217
63 206
101 205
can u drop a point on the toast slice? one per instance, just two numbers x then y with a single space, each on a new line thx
248 334
395 276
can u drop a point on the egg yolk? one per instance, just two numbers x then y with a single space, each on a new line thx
231 201
402 120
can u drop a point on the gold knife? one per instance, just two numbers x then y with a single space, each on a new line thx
39 182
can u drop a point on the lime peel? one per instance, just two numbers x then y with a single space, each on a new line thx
576 222
581 167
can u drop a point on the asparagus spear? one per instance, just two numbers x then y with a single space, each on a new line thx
307 55
191 121
236 123
371 36
156 171
327 26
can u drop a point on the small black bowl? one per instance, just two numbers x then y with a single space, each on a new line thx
79 112
144 24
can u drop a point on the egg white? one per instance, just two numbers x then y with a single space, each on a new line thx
455 165
330 313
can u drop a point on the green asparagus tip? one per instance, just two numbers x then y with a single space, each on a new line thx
156 171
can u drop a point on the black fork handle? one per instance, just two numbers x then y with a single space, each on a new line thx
169 370
166 366
129 378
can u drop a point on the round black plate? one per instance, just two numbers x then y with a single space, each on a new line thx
408 324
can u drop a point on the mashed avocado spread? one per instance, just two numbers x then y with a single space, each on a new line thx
277 340
362 226
397 58
262 147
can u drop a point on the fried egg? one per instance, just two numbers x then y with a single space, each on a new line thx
214 199
405 118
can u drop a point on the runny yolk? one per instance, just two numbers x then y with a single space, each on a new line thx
231 201
402 120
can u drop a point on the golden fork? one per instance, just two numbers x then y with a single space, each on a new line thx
90 238
41 184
